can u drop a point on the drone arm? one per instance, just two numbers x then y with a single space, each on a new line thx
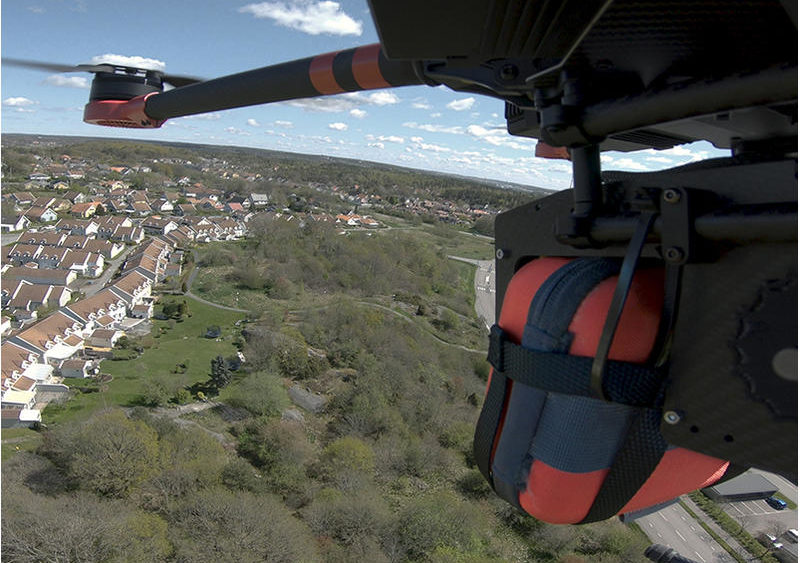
351 70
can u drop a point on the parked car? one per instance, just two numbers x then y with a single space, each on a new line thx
776 503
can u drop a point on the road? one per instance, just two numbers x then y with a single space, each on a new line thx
484 288
9 238
110 268
674 527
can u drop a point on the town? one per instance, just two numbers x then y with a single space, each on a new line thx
85 244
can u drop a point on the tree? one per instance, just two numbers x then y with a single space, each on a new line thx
220 372
108 454
221 525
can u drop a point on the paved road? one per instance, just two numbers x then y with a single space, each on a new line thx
674 527
110 268
484 288
8 238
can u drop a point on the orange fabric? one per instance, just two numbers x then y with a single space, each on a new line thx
638 326
678 472
519 294
560 497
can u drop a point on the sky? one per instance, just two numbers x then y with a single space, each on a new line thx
418 126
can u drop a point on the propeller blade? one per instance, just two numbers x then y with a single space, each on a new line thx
351 70
56 67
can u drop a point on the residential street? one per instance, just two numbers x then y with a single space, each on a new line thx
111 267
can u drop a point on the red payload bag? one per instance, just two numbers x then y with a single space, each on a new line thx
544 441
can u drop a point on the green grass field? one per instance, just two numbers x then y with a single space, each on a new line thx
178 342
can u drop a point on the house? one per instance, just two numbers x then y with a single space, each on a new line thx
105 338
140 208
41 215
107 248
46 238
55 338
134 288
84 210
133 235
90 264
44 201
75 196
26 296
87 311
40 276
14 223
78 226
258 200
142 311
106 226
78 368
16 362
22 198
23 254
52 256
162 206
60 186
75 242
158 225
185 209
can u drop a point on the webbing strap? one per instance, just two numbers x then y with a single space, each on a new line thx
488 423
624 382
635 462
618 303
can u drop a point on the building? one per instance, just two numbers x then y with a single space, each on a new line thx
747 486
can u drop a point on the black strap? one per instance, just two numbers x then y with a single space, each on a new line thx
634 463
618 303
624 382
488 423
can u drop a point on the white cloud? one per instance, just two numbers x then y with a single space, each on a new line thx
660 160
284 124
203 117
385 138
345 102
455 130
67 81
421 104
313 18
253 123
19 102
382 98
338 126
358 113
235 131
461 105
134 61
377 145
436 114
628 164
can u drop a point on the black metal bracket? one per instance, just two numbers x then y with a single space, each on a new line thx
676 226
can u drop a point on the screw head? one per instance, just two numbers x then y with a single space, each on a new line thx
672 196
673 254
509 72
500 253
672 417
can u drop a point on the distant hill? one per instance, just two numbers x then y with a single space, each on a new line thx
222 151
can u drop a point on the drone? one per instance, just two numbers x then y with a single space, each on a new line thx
582 77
